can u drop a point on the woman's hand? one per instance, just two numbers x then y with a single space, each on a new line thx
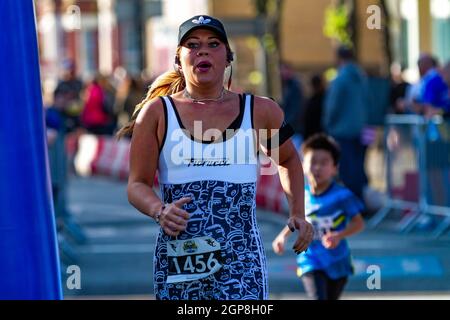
173 219
305 236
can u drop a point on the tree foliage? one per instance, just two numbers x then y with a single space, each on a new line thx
336 27
270 11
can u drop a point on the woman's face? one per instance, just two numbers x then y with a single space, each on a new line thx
203 58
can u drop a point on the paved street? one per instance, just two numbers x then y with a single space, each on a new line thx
116 259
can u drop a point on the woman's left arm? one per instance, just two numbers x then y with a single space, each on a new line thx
270 117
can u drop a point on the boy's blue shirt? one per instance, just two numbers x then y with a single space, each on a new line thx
329 211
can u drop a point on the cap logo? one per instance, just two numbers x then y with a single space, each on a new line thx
201 20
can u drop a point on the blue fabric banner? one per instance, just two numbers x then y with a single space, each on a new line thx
29 262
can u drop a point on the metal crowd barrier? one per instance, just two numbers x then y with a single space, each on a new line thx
417 171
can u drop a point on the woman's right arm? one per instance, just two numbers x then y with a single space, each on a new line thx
144 154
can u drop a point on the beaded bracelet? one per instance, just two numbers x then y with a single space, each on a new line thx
158 214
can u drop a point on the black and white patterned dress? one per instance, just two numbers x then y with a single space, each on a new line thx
220 255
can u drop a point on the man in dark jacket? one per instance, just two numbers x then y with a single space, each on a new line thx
345 116
292 103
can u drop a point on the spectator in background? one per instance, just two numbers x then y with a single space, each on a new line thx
70 86
414 93
96 116
314 107
434 92
56 132
345 117
109 92
435 100
292 101
132 96
399 88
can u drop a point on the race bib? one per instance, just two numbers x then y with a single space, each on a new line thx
192 259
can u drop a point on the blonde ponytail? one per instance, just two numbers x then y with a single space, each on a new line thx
166 84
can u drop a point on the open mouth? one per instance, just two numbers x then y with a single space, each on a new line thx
204 66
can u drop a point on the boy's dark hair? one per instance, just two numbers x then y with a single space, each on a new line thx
321 141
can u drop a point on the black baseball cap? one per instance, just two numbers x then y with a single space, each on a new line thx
202 21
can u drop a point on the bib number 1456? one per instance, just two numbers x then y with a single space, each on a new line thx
192 259
199 263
